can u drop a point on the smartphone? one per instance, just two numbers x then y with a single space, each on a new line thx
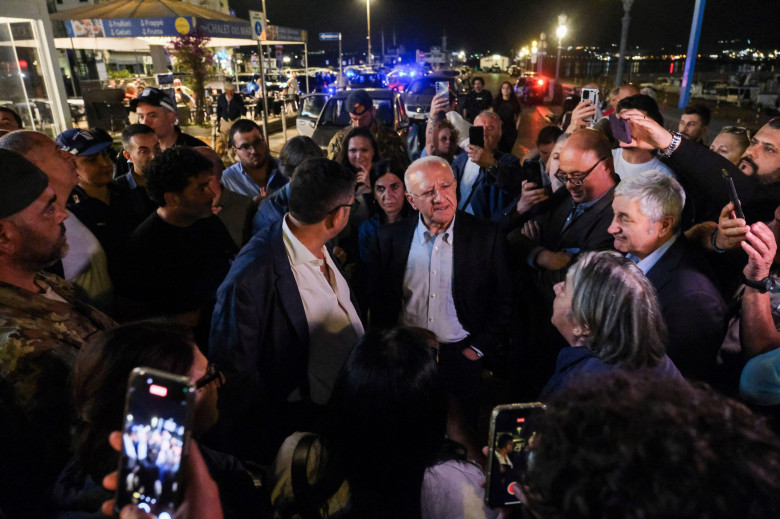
158 419
533 173
733 195
620 129
443 87
592 94
477 136
512 434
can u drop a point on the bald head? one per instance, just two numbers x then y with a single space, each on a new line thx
42 151
427 166
432 190
590 140
586 159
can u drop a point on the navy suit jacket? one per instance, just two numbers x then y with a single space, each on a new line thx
481 287
260 338
692 307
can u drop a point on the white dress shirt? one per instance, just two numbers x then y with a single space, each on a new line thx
334 325
427 290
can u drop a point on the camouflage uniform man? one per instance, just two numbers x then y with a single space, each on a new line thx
362 112
42 328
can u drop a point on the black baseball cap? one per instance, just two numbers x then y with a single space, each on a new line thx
155 97
358 101
22 183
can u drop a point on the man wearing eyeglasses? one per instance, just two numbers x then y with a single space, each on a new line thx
446 271
578 216
575 221
286 319
256 174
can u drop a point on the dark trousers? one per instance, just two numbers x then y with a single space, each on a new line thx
462 378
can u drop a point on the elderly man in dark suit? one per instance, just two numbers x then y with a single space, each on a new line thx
285 318
646 225
446 271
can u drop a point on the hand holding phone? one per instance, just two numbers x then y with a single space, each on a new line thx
592 95
158 419
620 129
442 89
733 195
477 136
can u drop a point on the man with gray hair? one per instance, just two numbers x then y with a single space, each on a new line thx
446 271
647 209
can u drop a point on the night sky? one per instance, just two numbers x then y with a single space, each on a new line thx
498 25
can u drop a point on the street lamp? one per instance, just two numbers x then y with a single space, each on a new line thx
560 32
368 19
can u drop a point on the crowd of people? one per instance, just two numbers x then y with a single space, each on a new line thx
345 316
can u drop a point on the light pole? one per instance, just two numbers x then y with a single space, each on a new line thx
623 41
368 20
560 32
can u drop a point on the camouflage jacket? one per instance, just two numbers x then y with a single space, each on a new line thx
39 340
390 144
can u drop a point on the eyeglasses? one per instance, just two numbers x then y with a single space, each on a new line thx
212 373
353 206
249 145
576 180
429 194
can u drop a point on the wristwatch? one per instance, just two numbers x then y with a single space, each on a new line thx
768 284
492 169
676 138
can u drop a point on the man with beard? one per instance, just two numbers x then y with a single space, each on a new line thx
756 176
42 327
694 123
256 174
85 265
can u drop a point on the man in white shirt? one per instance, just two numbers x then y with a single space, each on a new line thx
285 319
446 271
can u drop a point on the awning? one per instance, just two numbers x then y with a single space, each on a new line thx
150 18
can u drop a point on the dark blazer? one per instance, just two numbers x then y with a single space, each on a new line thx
481 287
260 338
692 307
586 233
